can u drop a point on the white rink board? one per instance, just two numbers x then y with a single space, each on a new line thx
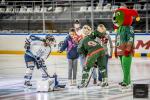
16 42
142 43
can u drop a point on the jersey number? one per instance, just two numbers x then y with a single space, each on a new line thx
92 43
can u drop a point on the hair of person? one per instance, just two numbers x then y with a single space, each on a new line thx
76 21
72 30
102 26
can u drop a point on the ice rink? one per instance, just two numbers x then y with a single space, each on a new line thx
12 70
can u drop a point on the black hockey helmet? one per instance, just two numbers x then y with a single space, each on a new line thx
76 21
50 38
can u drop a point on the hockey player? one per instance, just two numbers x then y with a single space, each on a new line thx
86 30
37 51
94 52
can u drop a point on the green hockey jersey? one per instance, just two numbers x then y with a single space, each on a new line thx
124 40
88 45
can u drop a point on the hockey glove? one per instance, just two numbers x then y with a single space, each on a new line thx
126 53
40 62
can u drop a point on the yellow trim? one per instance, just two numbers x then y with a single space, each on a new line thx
56 53
22 52
148 54
11 52
137 54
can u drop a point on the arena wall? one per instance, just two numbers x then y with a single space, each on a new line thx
14 43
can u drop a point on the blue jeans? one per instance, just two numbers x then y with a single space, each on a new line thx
82 61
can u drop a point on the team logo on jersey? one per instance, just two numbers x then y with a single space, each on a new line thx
92 43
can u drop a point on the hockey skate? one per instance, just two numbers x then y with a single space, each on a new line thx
27 84
81 86
125 86
105 87
99 83
73 83
120 83
104 84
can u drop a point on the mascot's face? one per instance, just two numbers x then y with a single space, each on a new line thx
118 18
124 17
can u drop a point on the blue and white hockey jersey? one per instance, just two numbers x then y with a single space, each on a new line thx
37 48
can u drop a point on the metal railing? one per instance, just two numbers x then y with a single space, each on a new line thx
54 13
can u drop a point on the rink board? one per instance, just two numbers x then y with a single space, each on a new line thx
14 43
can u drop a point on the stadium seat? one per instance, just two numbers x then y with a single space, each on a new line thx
2 10
8 10
90 9
29 10
137 6
43 9
16 10
23 9
147 7
83 9
107 7
49 8
114 7
39 31
6 31
58 10
98 8
37 9
65 9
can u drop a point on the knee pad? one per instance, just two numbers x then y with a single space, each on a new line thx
44 73
30 65
29 72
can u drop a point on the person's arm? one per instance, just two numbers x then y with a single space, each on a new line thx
115 49
80 48
33 37
130 41
111 45
64 45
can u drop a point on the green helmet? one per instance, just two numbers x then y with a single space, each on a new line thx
98 34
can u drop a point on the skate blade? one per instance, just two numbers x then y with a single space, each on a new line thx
71 87
106 87
27 87
125 89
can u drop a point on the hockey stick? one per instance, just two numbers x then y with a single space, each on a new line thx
54 76
89 78
87 83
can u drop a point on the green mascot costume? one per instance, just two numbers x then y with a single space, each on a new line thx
124 47
93 52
